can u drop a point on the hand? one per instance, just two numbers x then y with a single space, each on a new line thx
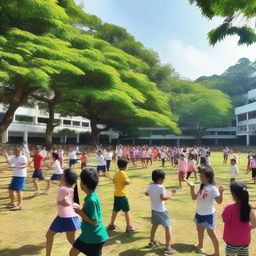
173 191
77 208
221 189
190 183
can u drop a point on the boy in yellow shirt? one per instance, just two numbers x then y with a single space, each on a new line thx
121 202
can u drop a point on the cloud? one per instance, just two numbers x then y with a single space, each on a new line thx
192 62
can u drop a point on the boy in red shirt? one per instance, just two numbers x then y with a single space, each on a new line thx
84 160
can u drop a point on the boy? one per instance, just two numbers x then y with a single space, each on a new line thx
38 160
94 234
121 202
101 164
84 160
160 216
19 164
233 170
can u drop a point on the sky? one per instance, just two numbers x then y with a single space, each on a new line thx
176 30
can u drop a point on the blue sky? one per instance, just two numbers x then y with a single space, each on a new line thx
176 30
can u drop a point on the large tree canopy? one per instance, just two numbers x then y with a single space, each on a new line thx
239 19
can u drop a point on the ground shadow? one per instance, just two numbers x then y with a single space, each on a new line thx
24 250
141 252
184 247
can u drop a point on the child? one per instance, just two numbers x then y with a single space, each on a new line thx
160 216
233 170
182 168
101 165
38 160
58 170
19 164
121 202
108 157
72 157
191 166
162 156
238 219
253 168
205 210
67 220
208 159
94 234
84 160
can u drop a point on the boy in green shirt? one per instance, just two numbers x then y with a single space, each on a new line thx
94 234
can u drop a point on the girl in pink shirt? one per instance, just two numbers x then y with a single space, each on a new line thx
191 165
238 220
182 168
252 167
67 220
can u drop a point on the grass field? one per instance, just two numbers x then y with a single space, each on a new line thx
23 232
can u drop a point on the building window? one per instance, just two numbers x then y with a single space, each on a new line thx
252 115
85 124
242 117
76 123
23 118
42 120
252 127
227 133
67 122
242 128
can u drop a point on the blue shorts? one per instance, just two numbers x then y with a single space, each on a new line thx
38 174
160 218
207 221
56 177
18 183
60 224
101 168
72 162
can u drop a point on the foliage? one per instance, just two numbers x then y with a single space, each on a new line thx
66 132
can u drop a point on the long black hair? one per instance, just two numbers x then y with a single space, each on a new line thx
239 191
71 179
209 174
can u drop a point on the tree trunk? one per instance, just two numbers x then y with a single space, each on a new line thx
95 132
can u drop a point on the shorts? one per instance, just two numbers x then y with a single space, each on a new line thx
38 174
83 165
232 250
108 162
182 175
18 183
207 221
88 249
60 224
121 203
56 177
160 218
253 172
72 162
101 168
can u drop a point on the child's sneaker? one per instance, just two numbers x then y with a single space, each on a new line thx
111 227
152 244
130 229
169 251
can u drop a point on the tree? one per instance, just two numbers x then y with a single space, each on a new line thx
238 14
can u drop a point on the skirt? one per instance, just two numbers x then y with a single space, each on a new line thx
60 224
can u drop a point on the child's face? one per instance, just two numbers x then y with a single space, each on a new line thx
84 188
62 180
17 152
203 179
232 163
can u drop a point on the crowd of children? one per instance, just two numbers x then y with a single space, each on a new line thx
238 218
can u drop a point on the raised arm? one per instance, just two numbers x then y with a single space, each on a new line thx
192 189
219 199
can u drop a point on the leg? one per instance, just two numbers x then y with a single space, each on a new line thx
215 241
11 194
200 234
128 219
73 252
168 237
153 232
36 185
71 236
49 241
113 218
195 175
19 197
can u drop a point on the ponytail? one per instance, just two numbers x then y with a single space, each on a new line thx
76 195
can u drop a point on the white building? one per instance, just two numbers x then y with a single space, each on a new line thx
246 119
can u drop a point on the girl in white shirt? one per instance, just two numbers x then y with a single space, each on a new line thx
205 210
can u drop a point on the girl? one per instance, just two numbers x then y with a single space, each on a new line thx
205 210
182 168
191 166
253 168
238 220
67 220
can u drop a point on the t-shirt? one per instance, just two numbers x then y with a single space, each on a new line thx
93 234
236 232
16 162
253 163
191 165
100 160
154 191
72 155
119 152
233 171
108 156
182 165
66 193
38 161
84 159
205 197
120 177
57 166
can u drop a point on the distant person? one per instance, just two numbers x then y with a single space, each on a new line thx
72 157
239 219
233 170
108 156
121 202
101 166
26 151
67 220
225 155
19 164
252 168
84 160
94 233
191 166
182 169
158 194
205 210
